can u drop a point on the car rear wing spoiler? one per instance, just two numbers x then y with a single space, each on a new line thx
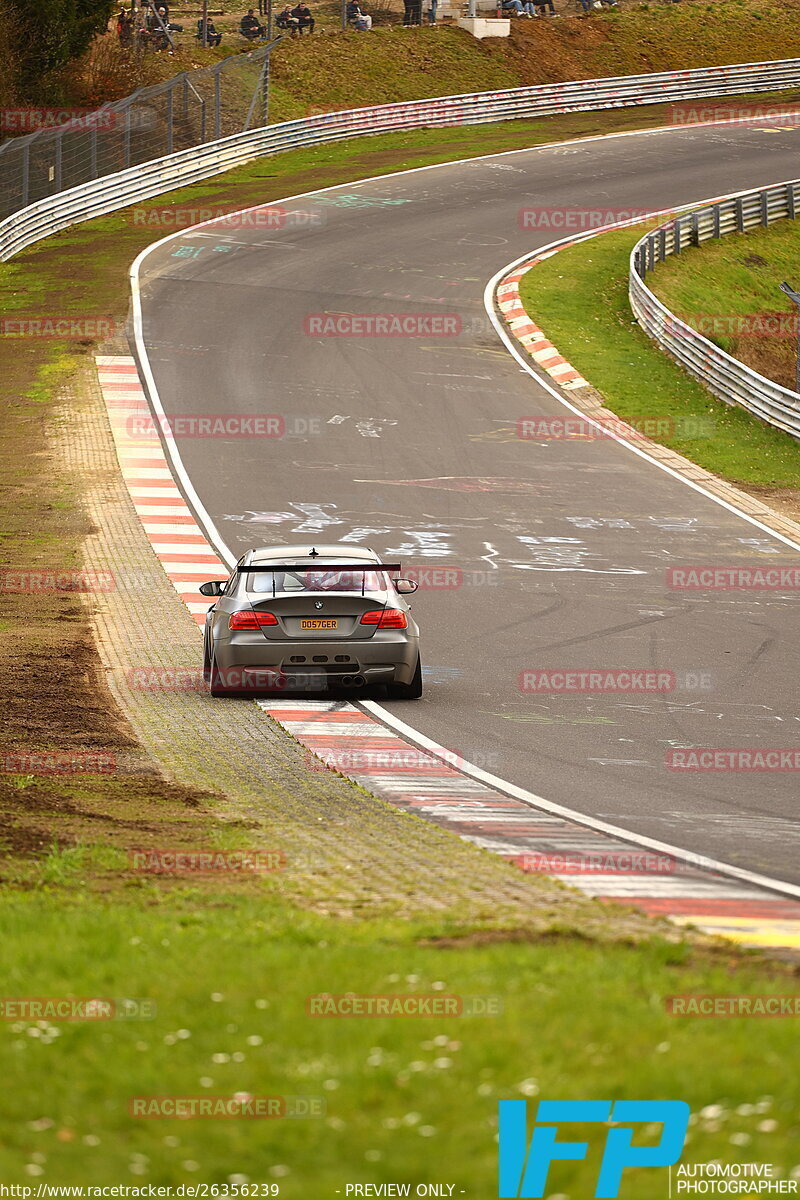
266 568
320 568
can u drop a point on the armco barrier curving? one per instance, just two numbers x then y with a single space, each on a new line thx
118 190
723 375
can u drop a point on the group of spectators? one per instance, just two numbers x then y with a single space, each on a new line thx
546 8
298 19
154 32
294 20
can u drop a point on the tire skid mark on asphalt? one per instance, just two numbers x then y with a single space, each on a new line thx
175 536
355 743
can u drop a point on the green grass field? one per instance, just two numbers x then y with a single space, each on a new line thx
406 1099
735 279
638 381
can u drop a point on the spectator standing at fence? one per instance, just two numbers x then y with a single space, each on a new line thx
412 12
125 29
432 7
302 13
250 26
546 4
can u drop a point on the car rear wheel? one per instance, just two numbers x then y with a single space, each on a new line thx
215 684
407 691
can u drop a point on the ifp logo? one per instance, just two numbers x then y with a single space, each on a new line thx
524 1169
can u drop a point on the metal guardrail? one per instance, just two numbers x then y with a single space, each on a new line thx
124 187
723 375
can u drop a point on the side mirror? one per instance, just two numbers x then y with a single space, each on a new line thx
404 587
211 589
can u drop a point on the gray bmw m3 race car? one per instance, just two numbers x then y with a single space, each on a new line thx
311 618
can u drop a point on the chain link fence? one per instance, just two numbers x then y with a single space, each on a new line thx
189 110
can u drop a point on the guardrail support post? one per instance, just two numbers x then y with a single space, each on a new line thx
170 122
127 142
717 221
26 174
764 209
739 203
676 249
790 204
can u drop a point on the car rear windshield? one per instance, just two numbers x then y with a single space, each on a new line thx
317 579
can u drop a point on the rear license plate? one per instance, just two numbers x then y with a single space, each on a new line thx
319 624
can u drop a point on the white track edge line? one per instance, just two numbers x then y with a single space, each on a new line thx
536 801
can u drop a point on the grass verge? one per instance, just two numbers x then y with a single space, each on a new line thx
602 341
729 289
406 1099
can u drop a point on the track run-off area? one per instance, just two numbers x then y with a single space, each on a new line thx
533 555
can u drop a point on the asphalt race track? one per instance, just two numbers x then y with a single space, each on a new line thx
409 444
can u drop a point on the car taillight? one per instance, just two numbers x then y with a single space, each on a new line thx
385 618
248 619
